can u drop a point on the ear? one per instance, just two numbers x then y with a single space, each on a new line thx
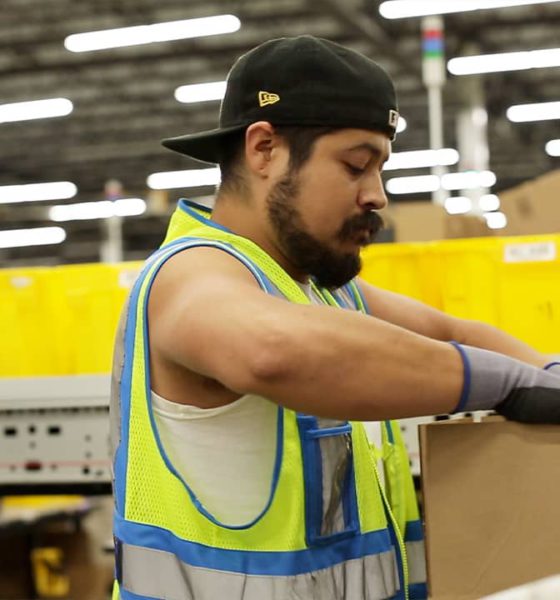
261 148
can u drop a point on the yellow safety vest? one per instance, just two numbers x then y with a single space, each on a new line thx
328 532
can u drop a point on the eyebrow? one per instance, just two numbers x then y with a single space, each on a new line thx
371 148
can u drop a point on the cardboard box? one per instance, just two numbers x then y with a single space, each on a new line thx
467 226
533 207
426 221
416 221
491 495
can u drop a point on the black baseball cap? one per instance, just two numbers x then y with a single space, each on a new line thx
304 81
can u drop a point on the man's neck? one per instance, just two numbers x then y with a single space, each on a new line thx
243 218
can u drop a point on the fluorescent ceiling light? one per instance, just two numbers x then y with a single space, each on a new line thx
553 148
489 202
40 236
450 181
417 159
124 207
505 61
400 9
33 192
201 92
148 34
469 180
458 205
35 109
411 185
495 220
401 124
184 179
541 111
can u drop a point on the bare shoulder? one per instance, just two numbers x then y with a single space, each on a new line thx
188 318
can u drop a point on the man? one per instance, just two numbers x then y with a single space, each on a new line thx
242 468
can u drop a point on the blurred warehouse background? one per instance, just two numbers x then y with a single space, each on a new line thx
88 88
110 106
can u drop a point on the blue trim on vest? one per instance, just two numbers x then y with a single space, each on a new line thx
191 208
254 562
354 289
413 531
417 591
390 436
121 453
467 378
552 364
194 243
126 595
310 434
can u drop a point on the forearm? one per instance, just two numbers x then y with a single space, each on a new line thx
482 335
344 365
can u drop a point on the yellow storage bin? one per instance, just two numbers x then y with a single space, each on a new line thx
93 297
27 327
61 320
402 268
529 290
510 282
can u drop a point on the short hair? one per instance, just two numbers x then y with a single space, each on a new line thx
300 141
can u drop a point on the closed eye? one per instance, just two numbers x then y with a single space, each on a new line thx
353 170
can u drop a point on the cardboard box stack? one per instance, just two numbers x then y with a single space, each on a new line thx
533 207
425 221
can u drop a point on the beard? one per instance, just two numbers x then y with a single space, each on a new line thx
329 268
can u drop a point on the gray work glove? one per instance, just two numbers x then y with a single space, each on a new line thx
514 389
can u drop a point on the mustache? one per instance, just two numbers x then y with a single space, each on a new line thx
370 220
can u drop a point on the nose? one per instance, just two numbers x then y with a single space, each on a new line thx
372 194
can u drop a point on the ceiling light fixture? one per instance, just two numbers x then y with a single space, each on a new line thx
167 180
417 159
39 236
35 109
148 34
552 148
124 207
36 192
541 111
401 9
495 220
458 205
489 202
200 92
450 181
505 61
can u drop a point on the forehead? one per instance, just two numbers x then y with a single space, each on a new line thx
356 140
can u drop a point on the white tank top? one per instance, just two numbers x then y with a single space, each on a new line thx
226 455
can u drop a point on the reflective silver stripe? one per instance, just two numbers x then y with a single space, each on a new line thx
116 376
416 555
159 574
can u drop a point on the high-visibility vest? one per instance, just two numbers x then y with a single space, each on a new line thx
329 531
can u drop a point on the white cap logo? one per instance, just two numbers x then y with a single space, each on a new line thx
393 118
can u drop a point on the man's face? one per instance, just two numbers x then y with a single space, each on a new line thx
324 213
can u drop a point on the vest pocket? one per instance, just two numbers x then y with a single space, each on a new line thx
330 490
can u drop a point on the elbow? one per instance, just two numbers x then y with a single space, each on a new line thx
270 360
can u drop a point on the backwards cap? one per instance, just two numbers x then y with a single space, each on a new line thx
304 81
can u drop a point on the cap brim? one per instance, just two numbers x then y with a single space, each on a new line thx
206 146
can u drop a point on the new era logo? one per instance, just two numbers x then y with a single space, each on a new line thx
393 118
266 98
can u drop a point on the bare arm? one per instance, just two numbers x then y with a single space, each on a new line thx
208 314
428 321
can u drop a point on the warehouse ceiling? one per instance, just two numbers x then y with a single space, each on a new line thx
124 103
